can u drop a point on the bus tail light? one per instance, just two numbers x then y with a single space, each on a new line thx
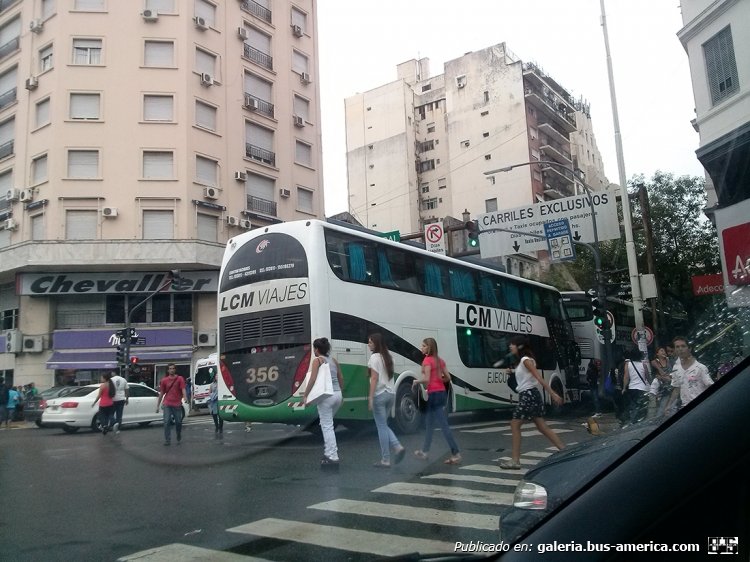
299 374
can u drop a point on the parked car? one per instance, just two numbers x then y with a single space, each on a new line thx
35 405
683 488
74 410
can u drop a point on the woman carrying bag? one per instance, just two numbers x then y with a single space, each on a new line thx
434 377
327 407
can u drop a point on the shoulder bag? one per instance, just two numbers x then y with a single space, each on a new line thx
322 388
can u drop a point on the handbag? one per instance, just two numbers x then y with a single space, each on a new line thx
512 382
322 388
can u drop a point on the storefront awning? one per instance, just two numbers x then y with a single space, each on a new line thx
75 359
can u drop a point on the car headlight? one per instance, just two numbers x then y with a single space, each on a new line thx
530 496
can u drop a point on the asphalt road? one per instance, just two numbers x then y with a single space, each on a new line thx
260 493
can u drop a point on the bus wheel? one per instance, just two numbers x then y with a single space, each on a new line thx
408 416
557 386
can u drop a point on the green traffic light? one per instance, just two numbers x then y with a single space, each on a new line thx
473 242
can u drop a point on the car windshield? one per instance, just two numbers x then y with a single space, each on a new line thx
361 282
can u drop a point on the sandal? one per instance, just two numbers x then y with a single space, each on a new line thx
381 464
420 454
399 455
508 464
455 459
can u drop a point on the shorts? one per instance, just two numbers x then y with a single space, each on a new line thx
529 405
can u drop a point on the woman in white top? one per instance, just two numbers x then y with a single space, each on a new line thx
380 400
636 383
530 405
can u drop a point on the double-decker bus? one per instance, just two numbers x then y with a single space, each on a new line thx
285 285
589 339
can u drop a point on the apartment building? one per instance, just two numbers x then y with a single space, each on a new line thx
137 137
418 147
716 38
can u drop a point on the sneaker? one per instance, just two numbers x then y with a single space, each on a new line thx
455 459
508 464
117 429
420 454
381 464
327 463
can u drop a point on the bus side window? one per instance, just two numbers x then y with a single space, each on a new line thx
488 291
385 277
402 268
463 286
512 295
532 301
432 278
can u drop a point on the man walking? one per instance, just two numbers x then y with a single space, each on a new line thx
172 390
120 399
689 378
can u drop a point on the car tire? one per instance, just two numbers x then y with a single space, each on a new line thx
144 424
69 429
408 417
38 423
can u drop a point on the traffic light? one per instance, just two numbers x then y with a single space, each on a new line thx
135 368
472 232
120 354
601 321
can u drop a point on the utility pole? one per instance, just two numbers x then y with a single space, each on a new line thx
649 238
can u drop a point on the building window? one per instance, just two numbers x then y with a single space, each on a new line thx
39 169
38 230
159 54
45 59
48 8
425 187
207 11
206 171
88 5
41 112
431 128
300 62
259 144
303 154
426 165
429 204
205 115
305 200
161 6
158 165
208 227
490 205
158 224
85 106
83 164
81 224
9 319
427 87
205 62
491 179
488 156
486 96
158 108
163 308
87 51
441 183
721 66
260 187
302 108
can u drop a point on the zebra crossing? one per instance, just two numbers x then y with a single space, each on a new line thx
467 500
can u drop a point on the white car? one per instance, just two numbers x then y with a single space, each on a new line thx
73 411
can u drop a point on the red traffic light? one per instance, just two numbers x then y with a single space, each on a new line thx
134 360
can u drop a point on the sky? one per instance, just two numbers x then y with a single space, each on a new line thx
362 42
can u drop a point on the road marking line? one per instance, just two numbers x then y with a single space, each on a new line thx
409 513
493 468
447 493
341 538
186 553
534 433
478 479
531 462
499 428
540 454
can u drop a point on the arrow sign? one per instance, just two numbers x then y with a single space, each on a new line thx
516 246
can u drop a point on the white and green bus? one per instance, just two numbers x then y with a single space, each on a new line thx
285 285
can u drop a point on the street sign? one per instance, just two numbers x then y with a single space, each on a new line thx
531 219
394 235
559 242
733 228
434 238
649 335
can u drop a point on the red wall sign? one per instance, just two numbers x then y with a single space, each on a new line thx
737 253
707 284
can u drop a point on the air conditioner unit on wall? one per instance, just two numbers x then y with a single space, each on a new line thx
285 192
298 121
36 26
210 193
32 83
9 224
200 23
13 194
150 15
240 176
304 77
242 33
251 104
207 79
109 212
27 195
33 344
13 341
297 30
206 339
233 221
246 224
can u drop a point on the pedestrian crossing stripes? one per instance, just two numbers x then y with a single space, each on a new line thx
506 428
451 493
476 479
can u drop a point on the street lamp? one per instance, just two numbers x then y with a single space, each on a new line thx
600 289
169 278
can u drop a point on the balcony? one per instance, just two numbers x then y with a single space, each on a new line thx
553 106
8 98
259 205
10 47
257 153
551 131
258 105
257 10
554 151
6 149
557 183
258 57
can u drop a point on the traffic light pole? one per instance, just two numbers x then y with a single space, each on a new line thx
173 275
